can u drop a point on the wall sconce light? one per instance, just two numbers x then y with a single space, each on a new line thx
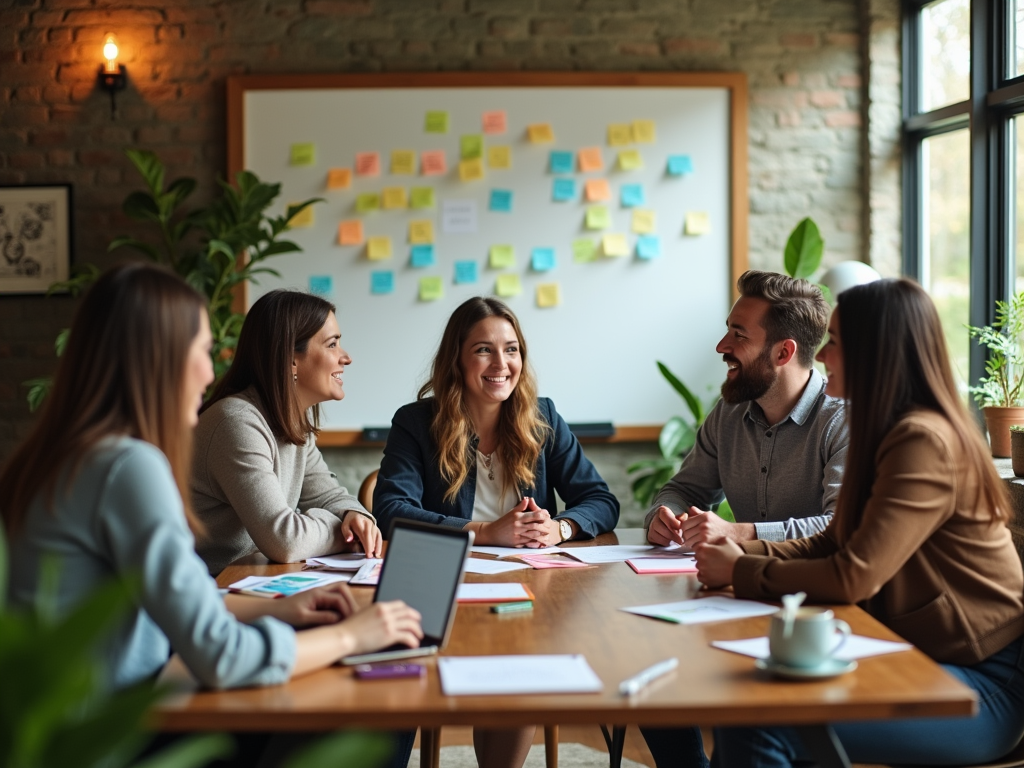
113 76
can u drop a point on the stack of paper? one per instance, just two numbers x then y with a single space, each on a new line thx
621 552
479 565
494 593
703 610
663 564
514 551
854 647
489 675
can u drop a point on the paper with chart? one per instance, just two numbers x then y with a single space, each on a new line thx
618 553
286 584
855 647
703 610
490 675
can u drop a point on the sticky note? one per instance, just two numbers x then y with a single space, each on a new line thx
302 154
643 131
630 160
367 163
432 162
696 223
620 134
643 221
465 272
403 161
471 170
563 190
436 122
321 285
421 197
507 285
596 190
502 256
394 198
598 217
431 288
422 256
590 159
648 247
583 250
378 247
679 164
382 282
367 201
615 245
421 231
303 218
471 146
542 259
339 178
549 295
495 121
560 162
350 232
631 195
501 200
499 157
540 133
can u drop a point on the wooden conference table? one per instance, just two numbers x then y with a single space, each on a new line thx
577 611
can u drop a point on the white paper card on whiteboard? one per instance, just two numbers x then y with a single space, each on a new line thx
491 675
458 216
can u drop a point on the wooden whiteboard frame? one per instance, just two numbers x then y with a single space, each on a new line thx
734 82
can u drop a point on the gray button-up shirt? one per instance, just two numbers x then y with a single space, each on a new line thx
782 477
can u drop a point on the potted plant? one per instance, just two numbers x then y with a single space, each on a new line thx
999 393
1017 449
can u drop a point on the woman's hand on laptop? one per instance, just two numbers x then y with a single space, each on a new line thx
384 624
323 605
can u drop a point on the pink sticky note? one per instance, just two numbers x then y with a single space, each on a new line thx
495 121
432 162
368 164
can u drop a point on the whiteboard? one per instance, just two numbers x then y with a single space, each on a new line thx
595 353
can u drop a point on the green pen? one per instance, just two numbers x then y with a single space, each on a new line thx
512 607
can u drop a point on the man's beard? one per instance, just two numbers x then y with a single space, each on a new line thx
752 380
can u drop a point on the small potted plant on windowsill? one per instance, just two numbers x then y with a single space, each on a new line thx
1000 392
1017 450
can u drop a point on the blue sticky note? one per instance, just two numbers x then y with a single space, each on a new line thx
501 200
321 285
561 162
632 195
382 282
679 164
422 256
542 259
563 189
648 247
465 271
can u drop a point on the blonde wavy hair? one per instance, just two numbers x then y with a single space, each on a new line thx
521 429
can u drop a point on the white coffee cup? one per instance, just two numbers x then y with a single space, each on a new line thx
808 640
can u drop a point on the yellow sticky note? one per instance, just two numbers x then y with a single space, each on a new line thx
499 157
302 154
431 288
597 190
643 131
403 161
339 178
598 217
590 159
615 245
630 160
643 221
549 295
502 256
508 285
422 197
378 247
540 133
471 170
697 223
303 218
368 201
620 134
421 231
350 232
394 198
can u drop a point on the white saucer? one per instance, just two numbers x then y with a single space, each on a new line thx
830 668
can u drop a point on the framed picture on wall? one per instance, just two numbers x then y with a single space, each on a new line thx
35 237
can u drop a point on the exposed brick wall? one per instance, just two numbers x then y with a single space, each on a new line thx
803 59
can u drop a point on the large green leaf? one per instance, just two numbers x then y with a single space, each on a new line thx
804 249
675 438
141 206
695 406
181 189
149 165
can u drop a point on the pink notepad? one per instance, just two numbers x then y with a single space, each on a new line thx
663 564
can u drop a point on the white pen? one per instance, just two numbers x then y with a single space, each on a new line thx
638 682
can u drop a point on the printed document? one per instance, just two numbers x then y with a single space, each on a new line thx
488 675
479 565
621 552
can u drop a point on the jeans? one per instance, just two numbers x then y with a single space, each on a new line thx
675 747
998 681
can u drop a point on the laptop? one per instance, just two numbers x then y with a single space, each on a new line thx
423 567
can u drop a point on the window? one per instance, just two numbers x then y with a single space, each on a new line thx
946 53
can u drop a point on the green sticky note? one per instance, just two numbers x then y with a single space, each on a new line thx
502 256
431 288
508 285
583 250
421 197
598 217
302 154
436 122
368 201
471 146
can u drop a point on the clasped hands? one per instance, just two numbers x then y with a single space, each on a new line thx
712 539
525 525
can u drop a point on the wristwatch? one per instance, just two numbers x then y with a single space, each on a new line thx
565 530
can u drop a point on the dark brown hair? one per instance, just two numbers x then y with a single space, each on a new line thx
279 325
521 430
797 310
122 373
894 360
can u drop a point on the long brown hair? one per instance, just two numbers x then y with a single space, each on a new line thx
279 325
122 373
521 430
895 359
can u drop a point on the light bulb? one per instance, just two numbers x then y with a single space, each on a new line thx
110 53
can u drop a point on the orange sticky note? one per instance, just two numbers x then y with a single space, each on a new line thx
598 189
590 159
620 134
432 162
540 133
368 164
350 232
471 170
339 178
494 121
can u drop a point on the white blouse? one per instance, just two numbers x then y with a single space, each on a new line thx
490 503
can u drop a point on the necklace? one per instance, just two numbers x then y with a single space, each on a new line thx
488 459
